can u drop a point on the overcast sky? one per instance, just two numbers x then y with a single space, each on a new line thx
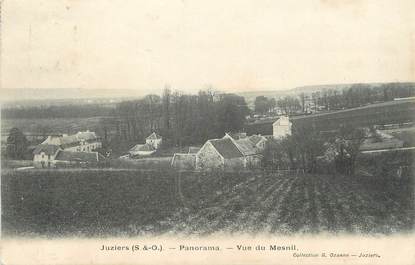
230 45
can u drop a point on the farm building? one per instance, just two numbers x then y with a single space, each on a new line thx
44 155
142 150
220 153
228 153
80 142
154 140
51 156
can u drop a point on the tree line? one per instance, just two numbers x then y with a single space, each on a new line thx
353 96
59 111
182 119
361 94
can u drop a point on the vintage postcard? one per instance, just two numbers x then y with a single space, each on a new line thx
207 132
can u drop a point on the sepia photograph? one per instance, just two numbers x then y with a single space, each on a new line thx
232 122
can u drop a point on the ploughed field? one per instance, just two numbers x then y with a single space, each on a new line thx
286 204
131 202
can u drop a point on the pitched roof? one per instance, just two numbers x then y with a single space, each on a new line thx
48 149
226 148
78 156
246 146
142 147
153 136
71 140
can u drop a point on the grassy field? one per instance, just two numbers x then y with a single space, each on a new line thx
381 113
132 202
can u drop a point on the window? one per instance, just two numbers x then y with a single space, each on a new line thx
43 155
48 157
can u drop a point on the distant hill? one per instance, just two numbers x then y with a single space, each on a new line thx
251 95
65 96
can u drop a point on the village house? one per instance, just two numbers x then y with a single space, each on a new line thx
220 154
52 156
281 127
80 142
44 155
154 140
224 153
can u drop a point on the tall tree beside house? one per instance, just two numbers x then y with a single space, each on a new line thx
16 144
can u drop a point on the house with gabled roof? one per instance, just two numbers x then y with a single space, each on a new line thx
219 154
85 141
281 127
44 155
250 150
52 156
154 140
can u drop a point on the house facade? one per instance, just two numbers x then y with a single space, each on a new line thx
44 155
281 127
52 156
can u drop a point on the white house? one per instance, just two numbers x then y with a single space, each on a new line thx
51 156
154 140
281 127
